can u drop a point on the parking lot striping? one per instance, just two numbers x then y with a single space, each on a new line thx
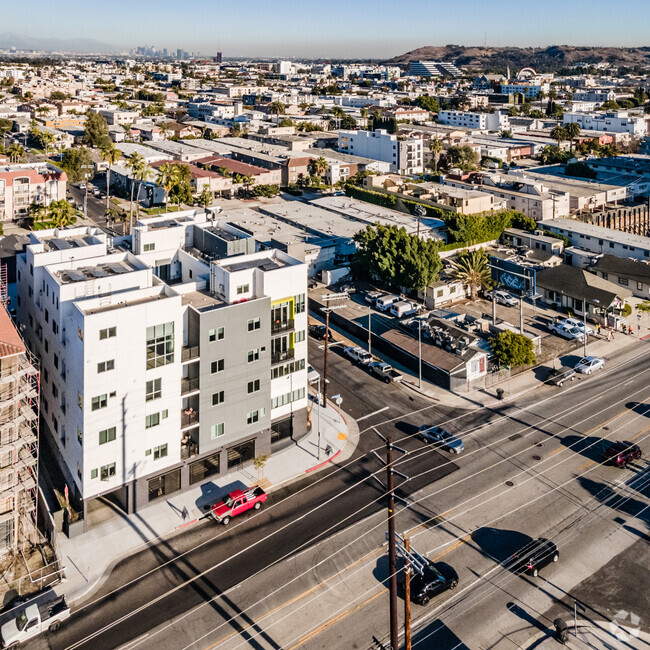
363 417
336 619
296 598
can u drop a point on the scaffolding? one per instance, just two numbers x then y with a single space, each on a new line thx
4 293
19 405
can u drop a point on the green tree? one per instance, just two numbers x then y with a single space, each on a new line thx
319 166
436 149
110 155
181 190
74 163
559 133
60 213
580 169
37 212
277 108
473 270
392 255
205 198
511 349
5 126
572 130
348 123
96 131
428 103
643 308
136 164
470 229
16 153
463 157
142 174
165 178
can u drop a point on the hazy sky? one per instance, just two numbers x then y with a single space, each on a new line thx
338 28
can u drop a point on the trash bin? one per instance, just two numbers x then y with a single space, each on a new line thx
561 631
500 393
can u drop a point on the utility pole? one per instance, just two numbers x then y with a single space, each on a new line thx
327 298
420 211
392 550
521 314
420 355
407 594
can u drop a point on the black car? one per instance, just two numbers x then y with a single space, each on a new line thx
621 453
535 556
558 376
433 581
318 332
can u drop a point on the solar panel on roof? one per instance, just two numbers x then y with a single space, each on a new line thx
99 273
75 276
117 268
88 239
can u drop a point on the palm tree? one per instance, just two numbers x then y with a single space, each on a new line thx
205 198
16 153
61 213
277 108
319 166
540 95
36 212
136 164
164 178
110 155
247 181
338 113
559 133
473 270
436 149
142 174
572 131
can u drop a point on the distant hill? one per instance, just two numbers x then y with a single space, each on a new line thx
546 59
79 45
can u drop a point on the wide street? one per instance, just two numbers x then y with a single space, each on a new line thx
308 570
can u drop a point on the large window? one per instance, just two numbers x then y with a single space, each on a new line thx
107 472
99 402
217 430
241 453
107 333
253 355
160 452
165 484
154 389
300 303
160 345
217 366
217 398
254 324
216 334
205 467
288 398
106 435
253 386
103 366
152 420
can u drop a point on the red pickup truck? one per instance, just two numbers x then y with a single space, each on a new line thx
237 502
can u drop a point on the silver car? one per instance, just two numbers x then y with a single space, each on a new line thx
442 438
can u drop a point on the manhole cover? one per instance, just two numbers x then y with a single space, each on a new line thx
540 444
509 483
537 457
515 436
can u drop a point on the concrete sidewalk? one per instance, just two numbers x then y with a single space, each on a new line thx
88 558
591 635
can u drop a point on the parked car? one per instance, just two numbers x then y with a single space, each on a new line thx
403 308
318 332
359 355
384 303
502 298
348 288
434 580
442 438
621 453
587 365
566 332
574 322
535 556
372 296
558 376
236 502
312 374
384 371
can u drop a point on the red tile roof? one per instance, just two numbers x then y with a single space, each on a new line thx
10 341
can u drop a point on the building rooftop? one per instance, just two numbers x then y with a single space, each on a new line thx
96 272
264 264
599 232
202 300
66 243
10 341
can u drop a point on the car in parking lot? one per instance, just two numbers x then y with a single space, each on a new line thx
566 332
535 556
442 438
359 355
434 580
372 296
621 453
318 332
587 365
502 298
574 322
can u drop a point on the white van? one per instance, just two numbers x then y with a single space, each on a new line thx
385 302
403 308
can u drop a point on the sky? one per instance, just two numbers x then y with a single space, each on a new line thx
338 28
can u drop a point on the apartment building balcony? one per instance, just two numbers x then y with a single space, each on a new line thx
188 353
189 443
278 327
189 385
279 357
189 417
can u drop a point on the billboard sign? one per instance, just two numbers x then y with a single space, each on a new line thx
513 276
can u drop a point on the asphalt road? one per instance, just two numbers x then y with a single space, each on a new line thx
252 544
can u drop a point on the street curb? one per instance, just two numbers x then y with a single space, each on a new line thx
321 465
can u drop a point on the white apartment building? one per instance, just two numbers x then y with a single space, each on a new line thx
163 367
26 183
616 122
497 121
404 154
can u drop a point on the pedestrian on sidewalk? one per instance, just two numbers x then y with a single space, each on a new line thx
609 336
611 330
598 329
631 330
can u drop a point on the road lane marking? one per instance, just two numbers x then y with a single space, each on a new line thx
557 450
636 435
589 463
364 417
460 542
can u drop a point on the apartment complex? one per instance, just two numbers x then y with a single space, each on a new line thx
19 398
26 183
404 154
433 69
167 365
496 121
617 122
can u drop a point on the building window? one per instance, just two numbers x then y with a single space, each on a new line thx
159 452
217 430
106 435
165 484
243 288
217 398
201 469
107 333
253 386
623 281
99 402
254 416
299 336
287 369
160 345
106 365
149 247
288 398
605 275
216 334
93 473
254 324
152 420
107 471
153 390
253 355
639 286
217 366
241 453
300 303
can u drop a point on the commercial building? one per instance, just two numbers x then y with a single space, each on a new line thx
496 121
616 122
404 154
168 364
27 183
433 69
19 399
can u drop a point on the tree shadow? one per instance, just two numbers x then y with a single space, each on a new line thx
619 501
591 447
